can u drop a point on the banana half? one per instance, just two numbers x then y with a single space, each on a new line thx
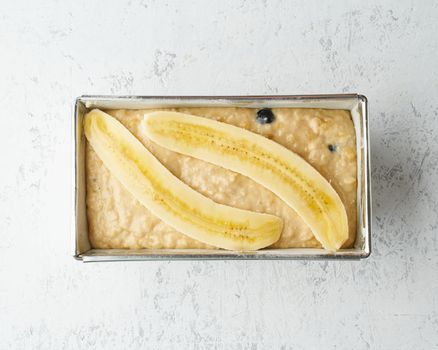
169 198
283 172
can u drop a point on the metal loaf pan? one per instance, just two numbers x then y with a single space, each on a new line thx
357 104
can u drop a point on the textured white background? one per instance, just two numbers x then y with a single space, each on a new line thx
53 51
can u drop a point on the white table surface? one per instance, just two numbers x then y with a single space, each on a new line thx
53 51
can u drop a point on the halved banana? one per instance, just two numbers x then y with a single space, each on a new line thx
169 198
283 172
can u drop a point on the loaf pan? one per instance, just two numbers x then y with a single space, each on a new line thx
355 103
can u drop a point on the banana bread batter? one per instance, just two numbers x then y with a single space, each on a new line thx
325 138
